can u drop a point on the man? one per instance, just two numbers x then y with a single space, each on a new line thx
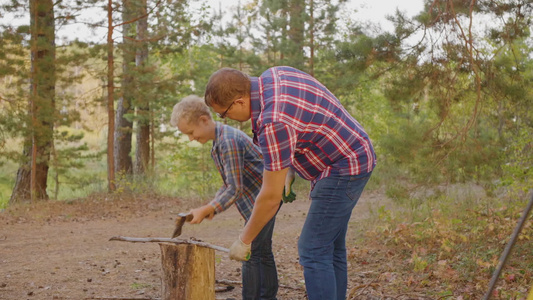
298 123
240 164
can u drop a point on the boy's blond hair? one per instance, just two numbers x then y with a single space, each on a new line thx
190 109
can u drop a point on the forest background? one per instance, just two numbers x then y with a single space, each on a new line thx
445 96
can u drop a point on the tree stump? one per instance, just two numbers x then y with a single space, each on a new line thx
188 272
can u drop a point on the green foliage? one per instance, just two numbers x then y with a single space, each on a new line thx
189 171
7 179
79 183
69 158
518 171
437 109
442 105
14 66
397 192
453 247
451 107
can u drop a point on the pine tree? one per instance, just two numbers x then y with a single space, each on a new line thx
32 176
144 117
125 109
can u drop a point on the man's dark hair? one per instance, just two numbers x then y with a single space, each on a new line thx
226 85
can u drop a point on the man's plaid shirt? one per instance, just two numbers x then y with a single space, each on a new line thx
298 122
240 164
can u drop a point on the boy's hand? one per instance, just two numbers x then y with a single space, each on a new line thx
202 212
240 251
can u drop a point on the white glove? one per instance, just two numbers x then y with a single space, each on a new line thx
240 251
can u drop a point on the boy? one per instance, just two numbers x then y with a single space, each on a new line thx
300 124
240 164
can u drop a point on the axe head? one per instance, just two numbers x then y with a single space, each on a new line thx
180 220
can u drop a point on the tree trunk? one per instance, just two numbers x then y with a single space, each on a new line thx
33 174
110 99
124 126
142 155
188 272
295 53
22 189
311 38
123 136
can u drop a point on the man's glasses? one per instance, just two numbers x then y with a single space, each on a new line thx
223 115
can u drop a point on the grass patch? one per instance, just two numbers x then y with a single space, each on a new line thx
8 172
450 247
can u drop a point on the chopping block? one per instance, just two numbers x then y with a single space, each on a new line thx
188 272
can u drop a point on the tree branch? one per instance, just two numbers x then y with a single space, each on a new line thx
6 100
469 45
154 39
140 17
168 240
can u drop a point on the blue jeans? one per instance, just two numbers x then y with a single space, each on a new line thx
322 243
259 273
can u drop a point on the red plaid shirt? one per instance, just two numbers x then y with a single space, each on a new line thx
299 123
240 164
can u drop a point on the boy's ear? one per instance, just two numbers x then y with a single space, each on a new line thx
203 118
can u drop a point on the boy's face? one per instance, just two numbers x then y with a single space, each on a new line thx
199 131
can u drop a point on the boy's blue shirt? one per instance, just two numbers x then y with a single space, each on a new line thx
240 164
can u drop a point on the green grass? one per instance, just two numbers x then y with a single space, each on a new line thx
455 242
8 172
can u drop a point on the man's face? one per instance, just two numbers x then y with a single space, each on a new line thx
238 110
196 131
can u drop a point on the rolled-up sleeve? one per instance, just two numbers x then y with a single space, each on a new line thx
278 143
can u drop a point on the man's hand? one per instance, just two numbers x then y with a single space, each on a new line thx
240 251
202 212
288 195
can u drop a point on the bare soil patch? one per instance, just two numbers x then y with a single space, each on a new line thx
61 250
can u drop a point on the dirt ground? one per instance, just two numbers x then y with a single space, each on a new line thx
61 250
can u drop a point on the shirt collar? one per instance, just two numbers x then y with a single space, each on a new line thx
255 102
218 131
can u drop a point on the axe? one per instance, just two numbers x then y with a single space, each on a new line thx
180 220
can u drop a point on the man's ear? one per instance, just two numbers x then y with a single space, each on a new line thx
240 101
243 102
